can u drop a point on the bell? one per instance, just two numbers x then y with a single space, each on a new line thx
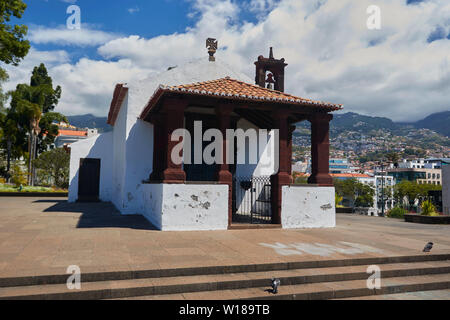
270 81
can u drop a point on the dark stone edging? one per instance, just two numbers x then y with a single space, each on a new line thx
344 210
34 194
416 218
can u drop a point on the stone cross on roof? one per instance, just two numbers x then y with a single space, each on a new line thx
211 44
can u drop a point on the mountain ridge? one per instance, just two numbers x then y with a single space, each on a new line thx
349 121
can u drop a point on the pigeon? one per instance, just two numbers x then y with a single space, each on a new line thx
428 247
275 285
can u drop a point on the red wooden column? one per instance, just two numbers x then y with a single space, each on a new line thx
224 175
159 145
283 176
174 108
223 113
320 149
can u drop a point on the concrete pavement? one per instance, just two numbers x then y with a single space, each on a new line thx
44 236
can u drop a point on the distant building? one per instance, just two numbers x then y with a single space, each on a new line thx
420 176
299 166
438 162
446 190
69 134
340 165
376 182
416 164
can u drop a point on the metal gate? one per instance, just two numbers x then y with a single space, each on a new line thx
252 200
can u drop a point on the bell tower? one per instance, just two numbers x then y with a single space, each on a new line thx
276 69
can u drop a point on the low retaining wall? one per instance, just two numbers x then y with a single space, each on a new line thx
344 210
186 207
34 194
306 206
415 218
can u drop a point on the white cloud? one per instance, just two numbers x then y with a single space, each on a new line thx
332 56
22 73
133 10
86 36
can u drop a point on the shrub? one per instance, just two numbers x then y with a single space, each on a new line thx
18 177
365 201
396 212
428 208
54 165
337 200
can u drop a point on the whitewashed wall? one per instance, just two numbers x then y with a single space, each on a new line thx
152 199
172 207
99 147
119 151
138 164
308 207
267 167
446 189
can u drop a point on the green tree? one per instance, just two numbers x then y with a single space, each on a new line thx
411 191
13 48
359 194
392 157
13 45
30 118
41 79
3 96
55 164
364 195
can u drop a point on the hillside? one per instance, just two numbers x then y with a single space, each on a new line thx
439 122
346 122
350 121
90 121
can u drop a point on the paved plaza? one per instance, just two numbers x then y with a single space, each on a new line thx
40 236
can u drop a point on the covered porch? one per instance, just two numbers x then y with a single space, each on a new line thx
224 104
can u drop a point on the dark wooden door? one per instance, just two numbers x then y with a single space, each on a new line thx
89 179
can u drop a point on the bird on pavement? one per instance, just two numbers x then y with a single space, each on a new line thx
275 285
428 247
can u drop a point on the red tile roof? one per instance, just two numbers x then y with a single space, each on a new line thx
350 175
75 133
233 89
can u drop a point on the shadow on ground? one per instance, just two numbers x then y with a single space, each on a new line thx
99 215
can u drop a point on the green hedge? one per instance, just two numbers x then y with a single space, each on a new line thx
396 212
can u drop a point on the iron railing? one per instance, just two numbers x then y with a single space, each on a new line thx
252 200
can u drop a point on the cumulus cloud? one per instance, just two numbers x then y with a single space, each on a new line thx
86 36
22 74
332 56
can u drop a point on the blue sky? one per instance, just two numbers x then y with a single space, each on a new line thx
401 71
166 16
146 18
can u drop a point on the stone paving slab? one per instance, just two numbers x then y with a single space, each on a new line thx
419 295
43 236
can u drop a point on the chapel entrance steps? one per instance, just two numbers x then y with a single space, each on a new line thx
322 279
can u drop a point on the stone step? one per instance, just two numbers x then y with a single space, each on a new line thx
218 282
215 270
356 289
415 295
